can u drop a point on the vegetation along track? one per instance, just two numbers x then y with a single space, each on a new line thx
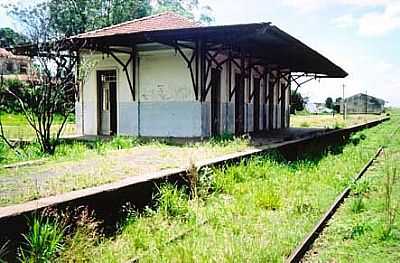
298 254
255 211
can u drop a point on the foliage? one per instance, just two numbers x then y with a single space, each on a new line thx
185 8
10 104
297 102
329 103
172 201
10 38
357 205
255 211
71 17
391 207
43 242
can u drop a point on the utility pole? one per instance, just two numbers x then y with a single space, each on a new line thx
366 102
344 104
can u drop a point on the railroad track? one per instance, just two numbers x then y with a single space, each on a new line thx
106 200
302 249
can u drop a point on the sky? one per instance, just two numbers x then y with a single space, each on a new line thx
361 36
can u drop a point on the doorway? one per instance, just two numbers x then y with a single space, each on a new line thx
256 104
107 102
239 104
215 101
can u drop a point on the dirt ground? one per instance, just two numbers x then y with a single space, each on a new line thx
54 177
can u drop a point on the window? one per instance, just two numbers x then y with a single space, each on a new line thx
23 69
10 67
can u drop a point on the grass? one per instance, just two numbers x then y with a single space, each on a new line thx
330 121
254 212
366 228
16 126
79 165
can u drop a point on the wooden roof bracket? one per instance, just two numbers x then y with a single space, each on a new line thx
194 71
132 58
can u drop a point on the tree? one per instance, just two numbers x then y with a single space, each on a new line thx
186 8
338 102
329 103
77 16
72 17
54 86
10 38
296 102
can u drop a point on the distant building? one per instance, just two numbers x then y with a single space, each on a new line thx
317 108
363 103
13 66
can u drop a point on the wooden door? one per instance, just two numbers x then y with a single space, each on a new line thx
215 101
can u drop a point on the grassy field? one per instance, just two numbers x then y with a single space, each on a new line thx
16 126
254 212
330 121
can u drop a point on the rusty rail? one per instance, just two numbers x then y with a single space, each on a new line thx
306 244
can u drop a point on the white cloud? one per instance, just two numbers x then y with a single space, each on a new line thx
380 23
306 5
345 21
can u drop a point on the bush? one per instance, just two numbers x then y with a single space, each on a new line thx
268 199
173 202
10 103
357 205
43 242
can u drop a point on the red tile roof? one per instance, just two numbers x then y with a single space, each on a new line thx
163 21
5 53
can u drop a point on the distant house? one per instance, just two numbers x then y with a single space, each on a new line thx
168 76
317 108
13 66
363 103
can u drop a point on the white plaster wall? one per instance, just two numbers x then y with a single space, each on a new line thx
167 104
89 91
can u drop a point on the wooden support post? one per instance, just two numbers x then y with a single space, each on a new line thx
230 75
203 79
134 60
197 69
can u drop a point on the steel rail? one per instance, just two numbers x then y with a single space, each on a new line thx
298 254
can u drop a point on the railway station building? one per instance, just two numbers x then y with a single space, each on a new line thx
167 76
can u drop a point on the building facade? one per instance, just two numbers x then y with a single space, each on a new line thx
362 104
13 66
165 76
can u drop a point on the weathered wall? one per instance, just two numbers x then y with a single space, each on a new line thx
88 99
167 103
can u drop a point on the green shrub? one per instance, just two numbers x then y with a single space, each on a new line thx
355 139
121 142
43 242
173 202
362 187
304 124
358 230
268 199
357 205
3 151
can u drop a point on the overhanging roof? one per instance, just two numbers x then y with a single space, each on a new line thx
262 41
